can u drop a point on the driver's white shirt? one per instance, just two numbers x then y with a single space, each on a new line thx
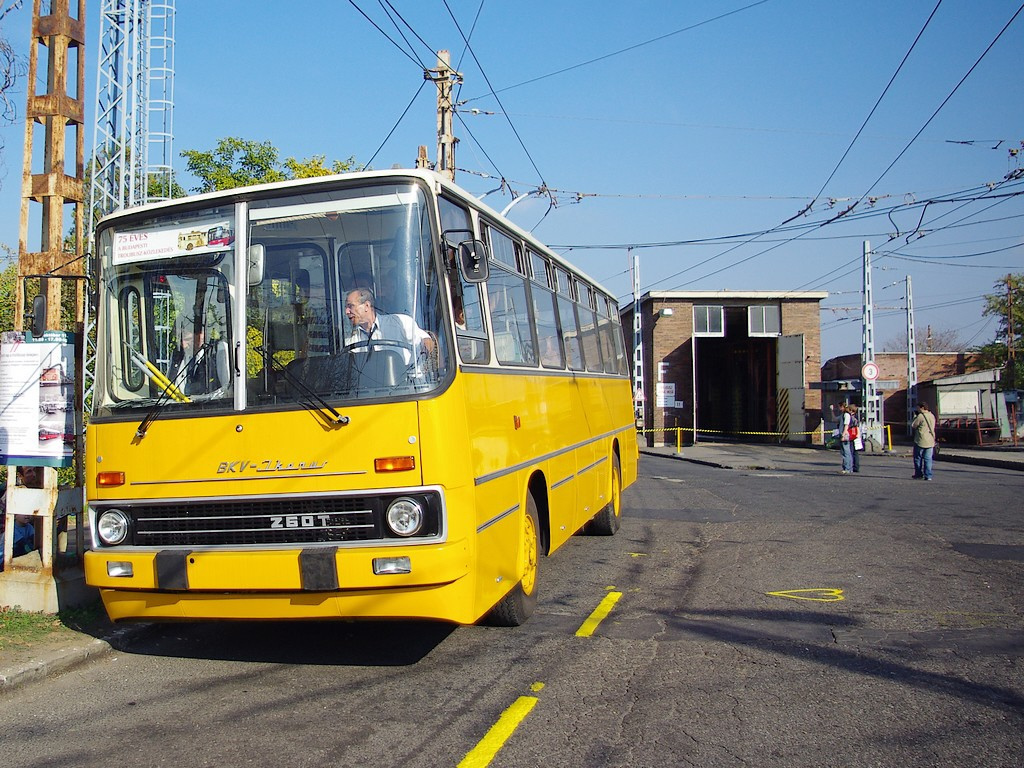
392 328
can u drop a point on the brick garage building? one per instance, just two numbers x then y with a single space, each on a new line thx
729 363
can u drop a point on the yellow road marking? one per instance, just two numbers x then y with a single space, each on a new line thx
485 750
819 595
600 613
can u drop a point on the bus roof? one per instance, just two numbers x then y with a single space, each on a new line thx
431 178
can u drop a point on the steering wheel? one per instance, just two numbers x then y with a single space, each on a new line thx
378 343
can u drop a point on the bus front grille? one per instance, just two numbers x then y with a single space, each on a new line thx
294 520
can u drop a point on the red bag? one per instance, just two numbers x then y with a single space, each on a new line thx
854 432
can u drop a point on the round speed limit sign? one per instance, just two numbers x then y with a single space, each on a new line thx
869 371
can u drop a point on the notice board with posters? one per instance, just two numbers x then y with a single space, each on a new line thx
37 399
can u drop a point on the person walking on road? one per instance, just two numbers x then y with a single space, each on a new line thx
923 428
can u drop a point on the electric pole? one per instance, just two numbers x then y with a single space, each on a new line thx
871 405
911 359
1011 346
638 343
444 77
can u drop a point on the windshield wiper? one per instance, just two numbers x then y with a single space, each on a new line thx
308 398
169 390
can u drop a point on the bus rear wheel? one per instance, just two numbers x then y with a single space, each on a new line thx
606 522
518 605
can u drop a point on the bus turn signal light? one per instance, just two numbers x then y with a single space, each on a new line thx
394 463
109 479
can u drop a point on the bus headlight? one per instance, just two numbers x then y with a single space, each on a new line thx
405 516
112 527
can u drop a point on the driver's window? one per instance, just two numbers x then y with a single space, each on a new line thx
466 304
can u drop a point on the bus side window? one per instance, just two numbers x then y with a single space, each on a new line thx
510 319
544 314
591 343
618 340
570 333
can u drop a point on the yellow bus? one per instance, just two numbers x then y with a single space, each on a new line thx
381 399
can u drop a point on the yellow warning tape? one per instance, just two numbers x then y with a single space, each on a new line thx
724 432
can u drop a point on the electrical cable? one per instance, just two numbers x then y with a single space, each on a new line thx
944 101
488 81
481 148
878 101
810 205
397 123
614 53
400 48
408 26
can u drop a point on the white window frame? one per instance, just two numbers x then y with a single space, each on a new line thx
705 312
761 312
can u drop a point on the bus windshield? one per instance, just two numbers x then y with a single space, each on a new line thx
347 305
165 308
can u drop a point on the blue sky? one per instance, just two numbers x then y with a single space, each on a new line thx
692 124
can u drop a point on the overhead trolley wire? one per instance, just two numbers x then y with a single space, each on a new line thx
491 87
397 123
405 53
407 26
810 205
944 101
614 53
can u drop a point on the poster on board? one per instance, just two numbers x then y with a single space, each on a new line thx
37 399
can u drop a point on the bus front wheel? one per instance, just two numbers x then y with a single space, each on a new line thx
518 605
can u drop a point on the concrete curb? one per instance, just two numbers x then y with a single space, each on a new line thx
952 458
62 658
57 660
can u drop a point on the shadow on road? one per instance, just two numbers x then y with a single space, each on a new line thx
329 643
722 626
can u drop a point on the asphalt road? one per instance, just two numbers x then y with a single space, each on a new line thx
906 651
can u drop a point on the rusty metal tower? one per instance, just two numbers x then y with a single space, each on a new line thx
51 184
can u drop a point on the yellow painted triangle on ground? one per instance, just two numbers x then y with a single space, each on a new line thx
820 595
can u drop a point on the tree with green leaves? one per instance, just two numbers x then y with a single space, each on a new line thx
8 281
1007 304
236 162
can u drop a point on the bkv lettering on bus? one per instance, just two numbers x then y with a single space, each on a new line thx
267 465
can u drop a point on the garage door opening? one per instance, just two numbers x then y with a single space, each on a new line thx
736 373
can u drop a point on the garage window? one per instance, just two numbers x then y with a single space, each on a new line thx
764 320
708 320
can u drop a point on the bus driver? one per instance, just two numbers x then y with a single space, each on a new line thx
368 325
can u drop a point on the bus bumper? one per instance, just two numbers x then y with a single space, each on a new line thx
311 583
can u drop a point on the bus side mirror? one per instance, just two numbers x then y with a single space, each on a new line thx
257 256
38 316
473 262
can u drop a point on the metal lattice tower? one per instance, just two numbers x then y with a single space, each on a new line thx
132 137
638 342
132 143
160 105
872 406
911 358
